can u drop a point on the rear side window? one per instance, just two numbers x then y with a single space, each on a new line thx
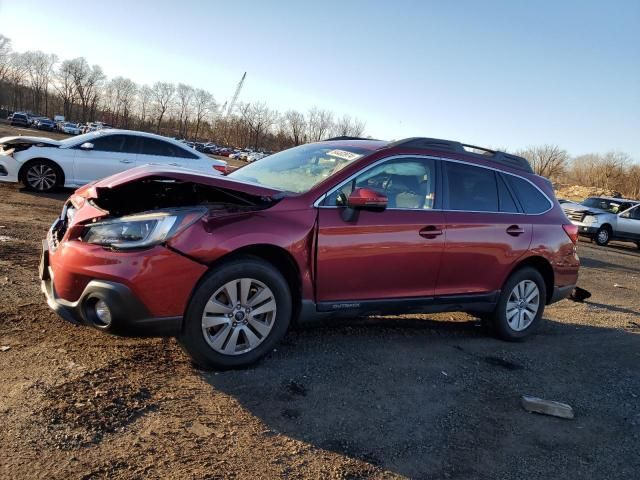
507 203
471 188
531 199
153 146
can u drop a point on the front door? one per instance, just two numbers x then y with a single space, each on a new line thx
110 154
389 254
629 224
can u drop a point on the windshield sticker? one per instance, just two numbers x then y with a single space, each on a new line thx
344 155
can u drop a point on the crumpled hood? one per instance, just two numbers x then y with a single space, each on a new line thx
28 140
176 173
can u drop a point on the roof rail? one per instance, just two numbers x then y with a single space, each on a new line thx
506 159
345 138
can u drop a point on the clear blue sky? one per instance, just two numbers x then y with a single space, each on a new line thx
494 73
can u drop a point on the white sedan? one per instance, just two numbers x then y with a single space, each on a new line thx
70 128
42 164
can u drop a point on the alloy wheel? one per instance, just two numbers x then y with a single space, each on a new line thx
523 305
239 316
41 177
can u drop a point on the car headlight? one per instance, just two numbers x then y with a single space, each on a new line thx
589 219
141 230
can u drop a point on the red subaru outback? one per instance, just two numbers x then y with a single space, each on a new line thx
341 227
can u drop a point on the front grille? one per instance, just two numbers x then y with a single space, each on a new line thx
575 215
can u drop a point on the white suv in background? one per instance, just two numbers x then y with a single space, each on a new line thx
606 218
43 164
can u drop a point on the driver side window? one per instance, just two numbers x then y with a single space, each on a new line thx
408 183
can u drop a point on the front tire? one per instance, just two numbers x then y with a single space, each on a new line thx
237 314
42 176
602 236
521 305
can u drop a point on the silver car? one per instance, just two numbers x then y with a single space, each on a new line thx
606 218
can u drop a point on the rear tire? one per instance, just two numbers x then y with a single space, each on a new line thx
237 314
602 236
42 176
520 306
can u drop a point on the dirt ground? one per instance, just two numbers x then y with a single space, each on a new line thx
418 396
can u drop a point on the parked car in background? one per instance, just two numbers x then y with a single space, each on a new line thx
70 128
45 124
19 119
603 219
42 164
253 156
343 227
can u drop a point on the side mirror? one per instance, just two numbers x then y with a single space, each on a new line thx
87 146
367 199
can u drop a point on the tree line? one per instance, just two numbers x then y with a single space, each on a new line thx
614 171
41 83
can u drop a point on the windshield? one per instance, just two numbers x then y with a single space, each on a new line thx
300 168
605 204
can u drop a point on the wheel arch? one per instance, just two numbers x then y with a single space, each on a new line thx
543 266
31 161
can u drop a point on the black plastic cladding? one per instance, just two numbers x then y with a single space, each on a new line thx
502 158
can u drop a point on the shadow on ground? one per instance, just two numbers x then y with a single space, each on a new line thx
429 399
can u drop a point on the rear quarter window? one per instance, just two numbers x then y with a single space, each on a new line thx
531 199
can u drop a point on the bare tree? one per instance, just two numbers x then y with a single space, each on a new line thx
295 125
163 95
16 76
5 57
87 81
184 95
349 127
319 124
546 160
203 104
39 67
66 88
145 96
260 119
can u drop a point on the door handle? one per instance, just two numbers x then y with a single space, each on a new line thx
126 161
174 164
515 230
430 231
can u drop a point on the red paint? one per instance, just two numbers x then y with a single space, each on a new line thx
375 255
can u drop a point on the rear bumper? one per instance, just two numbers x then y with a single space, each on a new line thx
129 316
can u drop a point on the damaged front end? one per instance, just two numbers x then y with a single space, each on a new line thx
139 211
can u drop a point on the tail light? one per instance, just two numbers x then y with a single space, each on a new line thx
221 168
572 232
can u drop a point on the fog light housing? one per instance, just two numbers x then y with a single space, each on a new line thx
103 313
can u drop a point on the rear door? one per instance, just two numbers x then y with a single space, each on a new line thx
486 231
110 154
390 254
629 224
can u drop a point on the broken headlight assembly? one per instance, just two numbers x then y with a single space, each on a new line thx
141 230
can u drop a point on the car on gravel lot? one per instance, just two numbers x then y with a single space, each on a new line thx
19 119
340 227
603 219
43 164
70 128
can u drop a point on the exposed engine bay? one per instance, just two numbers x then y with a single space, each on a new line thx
153 193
